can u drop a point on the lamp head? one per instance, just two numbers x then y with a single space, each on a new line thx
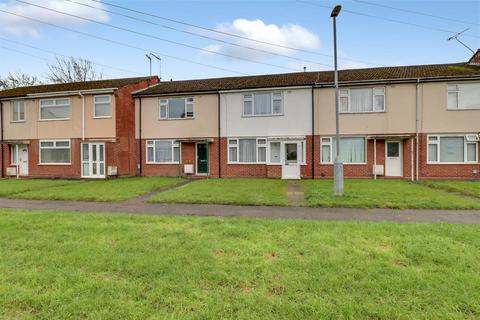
336 11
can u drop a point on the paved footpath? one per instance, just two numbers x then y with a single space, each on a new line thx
134 207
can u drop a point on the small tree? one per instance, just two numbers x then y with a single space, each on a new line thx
72 70
18 79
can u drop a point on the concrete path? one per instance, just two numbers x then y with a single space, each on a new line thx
450 216
295 195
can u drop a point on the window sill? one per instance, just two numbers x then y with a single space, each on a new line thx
364 112
452 163
46 120
463 109
55 164
19 121
170 119
106 117
262 116
160 163
344 163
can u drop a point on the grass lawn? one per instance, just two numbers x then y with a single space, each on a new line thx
228 191
101 190
384 194
70 266
470 188
11 186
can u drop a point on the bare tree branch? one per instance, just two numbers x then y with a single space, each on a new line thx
72 70
18 79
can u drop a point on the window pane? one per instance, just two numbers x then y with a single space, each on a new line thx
232 141
85 155
163 112
343 104
101 151
379 103
62 102
62 143
247 150
352 150
247 107
176 155
262 141
432 153
361 100
13 150
277 103
291 152
262 103
163 151
393 149
468 96
472 152
47 144
86 169
275 152
452 100
262 154
189 110
176 108
100 99
55 155
55 112
103 110
232 154
451 149
150 154
326 153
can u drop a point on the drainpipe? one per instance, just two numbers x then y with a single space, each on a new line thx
411 160
313 134
374 158
140 135
1 133
83 115
417 125
219 144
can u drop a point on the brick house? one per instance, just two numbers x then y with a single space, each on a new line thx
408 122
71 130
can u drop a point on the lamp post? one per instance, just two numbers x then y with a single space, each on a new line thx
337 164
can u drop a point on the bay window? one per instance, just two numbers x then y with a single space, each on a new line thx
362 100
464 96
55 109
54 152
18 111
177 108
163 151
352 150
452 149
263 104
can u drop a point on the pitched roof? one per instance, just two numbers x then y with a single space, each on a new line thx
312 78
71 86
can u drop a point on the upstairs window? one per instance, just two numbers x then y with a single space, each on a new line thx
362 100
263 104
102 107
18 111
55 109
464 96
178 108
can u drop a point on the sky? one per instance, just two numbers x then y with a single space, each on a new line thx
370 33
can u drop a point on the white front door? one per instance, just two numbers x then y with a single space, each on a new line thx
291 167
93 160
393 159
20 151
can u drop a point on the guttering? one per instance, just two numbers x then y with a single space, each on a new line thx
400 80
70 93
266 88
174 93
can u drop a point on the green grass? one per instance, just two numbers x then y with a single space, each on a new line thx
469 188
76 266
228 191
384 194
12 186
101 190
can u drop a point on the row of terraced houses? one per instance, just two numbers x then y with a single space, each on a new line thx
410 122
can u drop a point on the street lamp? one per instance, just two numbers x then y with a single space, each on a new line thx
337 164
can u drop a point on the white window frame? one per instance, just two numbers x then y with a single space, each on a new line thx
174 144
14 105
249 97
267 145
332 142
465 147
54 147
53 106
457 91
347 95
237 146
95 106
166 102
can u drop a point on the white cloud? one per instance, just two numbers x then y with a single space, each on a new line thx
16 25
288 35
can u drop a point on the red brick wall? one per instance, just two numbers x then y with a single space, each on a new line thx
445 171
260 170
126 154
188 156
365 170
